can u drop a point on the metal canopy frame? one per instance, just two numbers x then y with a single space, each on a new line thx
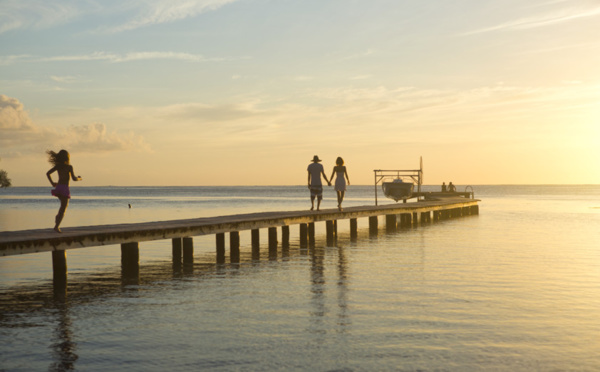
415 174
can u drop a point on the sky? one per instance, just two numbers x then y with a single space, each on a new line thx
245 92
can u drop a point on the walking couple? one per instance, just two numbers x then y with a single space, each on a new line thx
315 171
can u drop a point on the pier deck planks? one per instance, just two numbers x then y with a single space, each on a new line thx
42 240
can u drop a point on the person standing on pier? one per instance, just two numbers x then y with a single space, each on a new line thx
315 171
340 181
61 162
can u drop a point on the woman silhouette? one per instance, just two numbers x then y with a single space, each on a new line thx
340 181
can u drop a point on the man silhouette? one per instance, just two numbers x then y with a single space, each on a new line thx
315 171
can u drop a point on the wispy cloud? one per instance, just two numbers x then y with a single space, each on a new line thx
542 20
116 58
41 14
37 14
152 12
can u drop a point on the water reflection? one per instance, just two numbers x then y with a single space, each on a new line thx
318 289
20 304
63 347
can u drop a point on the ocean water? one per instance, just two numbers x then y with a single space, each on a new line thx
516 288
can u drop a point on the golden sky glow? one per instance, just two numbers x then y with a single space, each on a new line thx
245 92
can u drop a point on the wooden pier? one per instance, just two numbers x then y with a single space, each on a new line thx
181 231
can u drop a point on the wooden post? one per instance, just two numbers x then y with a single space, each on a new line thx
303 235
353 229
188 250
255 238
220 248
373 225
285 236
130 261
390 223
272 241
311 233
234 246
415 219
130 254
177 251
329 231
255 244
59 270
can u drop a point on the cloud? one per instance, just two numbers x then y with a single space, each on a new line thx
95 138
152 12
37 14
42 14
19 135
64 79
13 115
543 20
115 57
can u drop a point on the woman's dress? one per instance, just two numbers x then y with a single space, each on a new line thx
340 181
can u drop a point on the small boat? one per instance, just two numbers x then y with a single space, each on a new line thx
398 189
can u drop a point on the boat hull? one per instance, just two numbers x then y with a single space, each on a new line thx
398 190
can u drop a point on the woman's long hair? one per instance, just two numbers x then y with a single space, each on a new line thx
339 161
60 158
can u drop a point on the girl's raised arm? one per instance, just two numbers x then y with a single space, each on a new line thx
78 178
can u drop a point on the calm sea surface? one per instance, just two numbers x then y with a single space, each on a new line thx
516 288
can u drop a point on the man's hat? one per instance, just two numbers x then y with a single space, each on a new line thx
316 159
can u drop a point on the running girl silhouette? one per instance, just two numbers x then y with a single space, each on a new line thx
65 171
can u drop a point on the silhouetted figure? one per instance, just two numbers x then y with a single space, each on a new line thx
340 181
451 187
444 187
315 171
61 162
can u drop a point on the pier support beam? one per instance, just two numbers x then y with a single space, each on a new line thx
234 246
303 235
272 241
390 223
255 244
330 231
311 233
130 262
59 269
285 237
177 244
220 248
188 250
373 225
130 255
255 238
353 229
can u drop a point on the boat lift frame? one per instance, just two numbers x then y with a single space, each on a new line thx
415 174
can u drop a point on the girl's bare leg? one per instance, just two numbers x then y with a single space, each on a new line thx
64 203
